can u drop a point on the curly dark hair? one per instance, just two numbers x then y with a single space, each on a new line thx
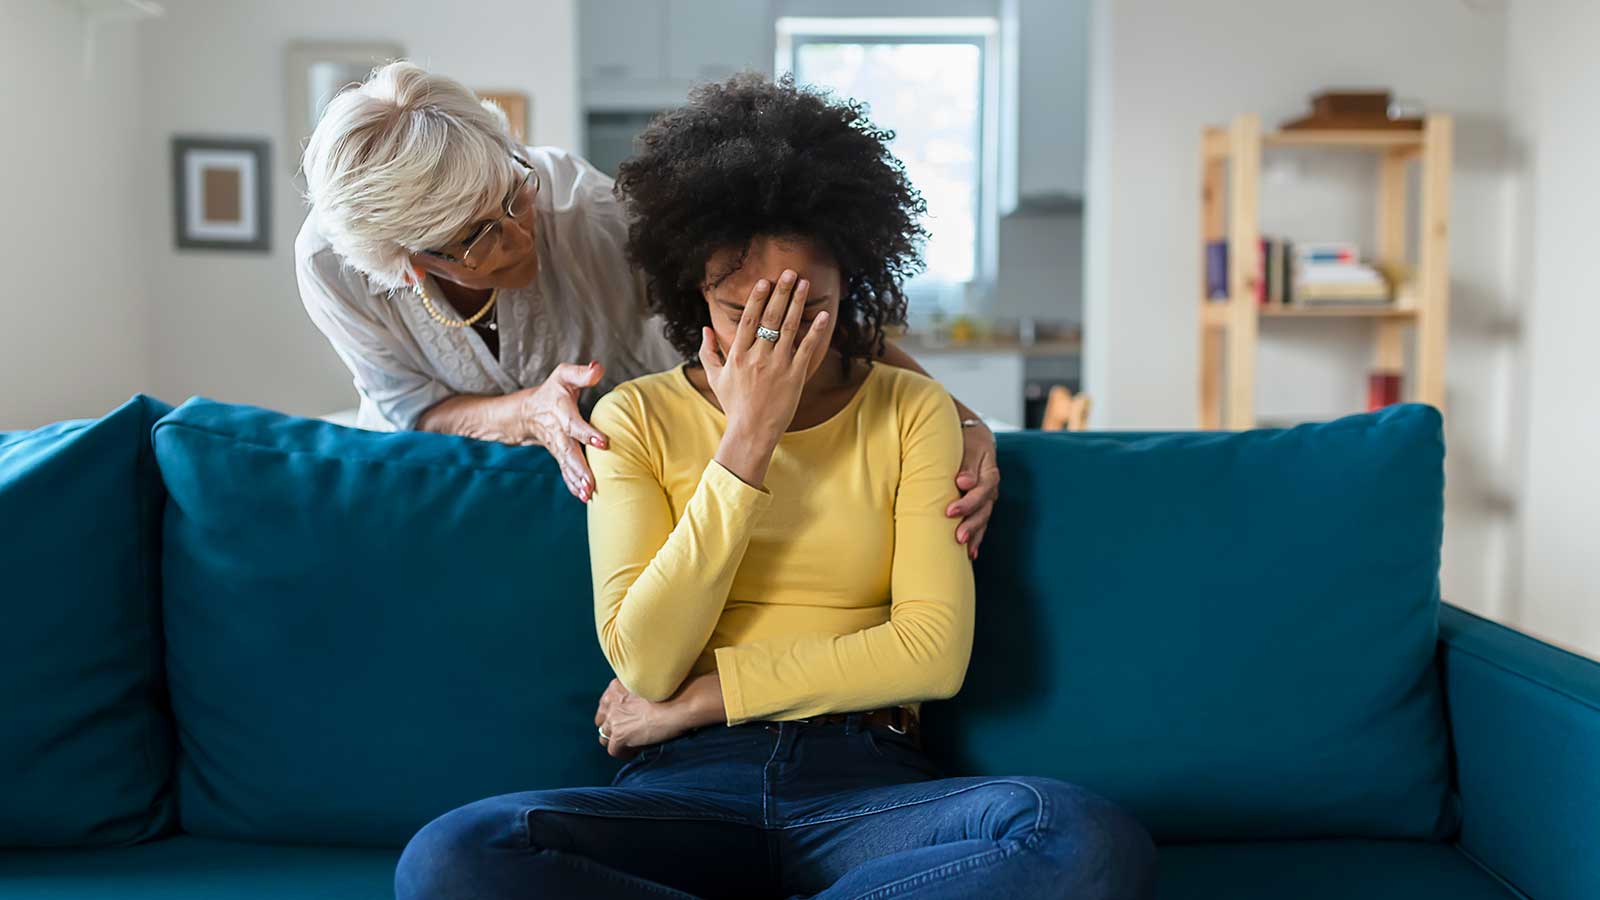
749 157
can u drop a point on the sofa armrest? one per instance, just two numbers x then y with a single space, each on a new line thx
1525 724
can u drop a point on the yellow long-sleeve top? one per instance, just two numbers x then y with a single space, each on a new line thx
838 588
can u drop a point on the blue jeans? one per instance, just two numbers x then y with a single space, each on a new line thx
793 810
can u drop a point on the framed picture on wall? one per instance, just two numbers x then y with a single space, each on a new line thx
317 71
221 194
515 105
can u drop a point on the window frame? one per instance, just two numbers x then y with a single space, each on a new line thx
794 32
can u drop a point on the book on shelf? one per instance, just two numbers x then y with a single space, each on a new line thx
1327 253
1342 294
1216 270
1278 254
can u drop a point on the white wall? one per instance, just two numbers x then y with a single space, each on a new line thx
1554 79
230 325
73 329
1163 69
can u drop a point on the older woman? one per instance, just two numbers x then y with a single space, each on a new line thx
476 287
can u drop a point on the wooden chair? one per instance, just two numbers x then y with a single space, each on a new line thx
1064 411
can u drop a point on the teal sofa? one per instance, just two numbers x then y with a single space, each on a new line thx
246 655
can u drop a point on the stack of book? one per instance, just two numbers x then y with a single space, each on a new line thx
1312 274
1333 273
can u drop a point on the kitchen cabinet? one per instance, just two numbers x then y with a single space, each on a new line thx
709 40
621 42
646 54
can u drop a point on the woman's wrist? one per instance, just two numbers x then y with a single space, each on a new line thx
484 417
516 416
702 702
746 452
966 414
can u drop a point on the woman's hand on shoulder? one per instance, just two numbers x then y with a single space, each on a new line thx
628 723
978 480
548 416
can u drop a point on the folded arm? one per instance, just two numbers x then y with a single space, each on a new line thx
660 587
921 653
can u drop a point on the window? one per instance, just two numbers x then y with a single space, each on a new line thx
929 81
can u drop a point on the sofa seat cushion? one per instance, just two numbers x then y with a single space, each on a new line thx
1325 870
85 741
190 868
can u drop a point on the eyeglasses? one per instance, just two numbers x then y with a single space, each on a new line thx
486 228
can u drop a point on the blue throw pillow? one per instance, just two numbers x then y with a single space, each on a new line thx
367 630
1230 634
85 742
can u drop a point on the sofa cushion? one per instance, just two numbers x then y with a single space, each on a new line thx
85 742
1324 870
366 630
190 868
1230 634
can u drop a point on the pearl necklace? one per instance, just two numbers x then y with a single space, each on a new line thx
442 319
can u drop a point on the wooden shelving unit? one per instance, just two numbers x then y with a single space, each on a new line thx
1230 209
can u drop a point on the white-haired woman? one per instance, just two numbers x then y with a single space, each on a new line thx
477 287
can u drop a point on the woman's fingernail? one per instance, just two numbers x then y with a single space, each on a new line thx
597 442
804 285
762 285
961 536
787 278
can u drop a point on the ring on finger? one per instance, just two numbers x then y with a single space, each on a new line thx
767 334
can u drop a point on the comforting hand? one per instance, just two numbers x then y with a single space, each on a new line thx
979 483
627 723
550 418
757 381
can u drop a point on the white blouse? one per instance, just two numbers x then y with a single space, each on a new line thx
587 303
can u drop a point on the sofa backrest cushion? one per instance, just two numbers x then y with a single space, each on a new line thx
366 630
1230 634
85 741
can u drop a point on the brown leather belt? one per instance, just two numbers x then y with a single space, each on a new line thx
898 719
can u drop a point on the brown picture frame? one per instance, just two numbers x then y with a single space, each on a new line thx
222 194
